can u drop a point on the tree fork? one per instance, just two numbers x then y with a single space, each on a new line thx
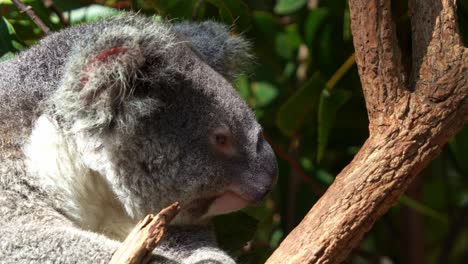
411 116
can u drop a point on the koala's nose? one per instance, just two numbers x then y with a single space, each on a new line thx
266 172
261 192
268 163
258 186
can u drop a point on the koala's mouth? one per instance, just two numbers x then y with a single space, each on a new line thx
227 202
222 203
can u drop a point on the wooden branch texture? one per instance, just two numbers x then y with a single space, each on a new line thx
30 12
137 247
411 116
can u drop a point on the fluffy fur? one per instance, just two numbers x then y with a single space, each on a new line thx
104 123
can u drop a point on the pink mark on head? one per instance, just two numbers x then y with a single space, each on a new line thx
101 57
104 55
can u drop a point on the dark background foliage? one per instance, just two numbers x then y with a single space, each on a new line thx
306 92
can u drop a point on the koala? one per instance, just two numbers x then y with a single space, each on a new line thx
104 123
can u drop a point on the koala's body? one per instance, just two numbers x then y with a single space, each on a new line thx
104 123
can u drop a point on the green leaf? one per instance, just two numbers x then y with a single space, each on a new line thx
7 28
234 230
347 25
282 48
294 38
289 70
7 56
9 43
300 106
287 43
459 147
266 24
242 86
284 7
264 92
325 176
314 22
276 238
330 103
91 13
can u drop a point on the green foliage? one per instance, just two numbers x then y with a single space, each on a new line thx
306 93
89 14
314 22
301 106
284 7
330 103
9 43
264 93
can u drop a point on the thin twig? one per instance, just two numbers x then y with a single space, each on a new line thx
28 9
341 72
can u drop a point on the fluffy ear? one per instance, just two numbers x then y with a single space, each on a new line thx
110 73
226 53
99 83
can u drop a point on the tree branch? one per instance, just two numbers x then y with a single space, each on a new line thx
434 27
408 127
378 57
438 53
28 9
137 247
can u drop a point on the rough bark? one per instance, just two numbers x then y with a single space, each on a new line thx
137 247
411 116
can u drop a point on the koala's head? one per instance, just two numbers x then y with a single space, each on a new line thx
151 109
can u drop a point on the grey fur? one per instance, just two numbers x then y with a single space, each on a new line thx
136 101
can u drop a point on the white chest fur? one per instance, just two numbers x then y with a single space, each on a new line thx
83 194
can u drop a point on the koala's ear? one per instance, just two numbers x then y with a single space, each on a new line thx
109 73
226 53
100 82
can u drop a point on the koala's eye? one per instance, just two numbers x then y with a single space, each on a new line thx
222 141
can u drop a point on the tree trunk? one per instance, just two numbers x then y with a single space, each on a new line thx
411 116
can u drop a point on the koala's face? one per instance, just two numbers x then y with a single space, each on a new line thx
201 147
162 127
158 119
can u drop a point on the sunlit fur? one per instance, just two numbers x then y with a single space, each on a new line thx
83 194
104 123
